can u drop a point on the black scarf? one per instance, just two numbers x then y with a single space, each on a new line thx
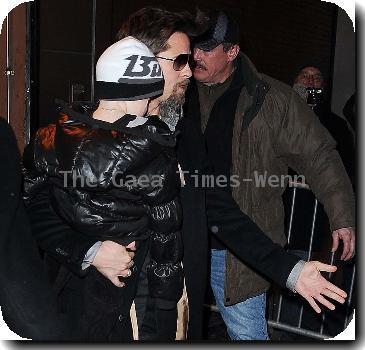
218 133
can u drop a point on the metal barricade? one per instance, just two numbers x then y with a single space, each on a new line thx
275 321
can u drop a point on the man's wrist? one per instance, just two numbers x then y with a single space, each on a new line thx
90 255
294 275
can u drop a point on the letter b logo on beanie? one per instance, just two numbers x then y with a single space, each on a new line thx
144 62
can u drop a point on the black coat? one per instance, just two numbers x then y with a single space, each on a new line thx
192 158
131 192
26 298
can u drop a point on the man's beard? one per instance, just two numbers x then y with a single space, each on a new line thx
171 109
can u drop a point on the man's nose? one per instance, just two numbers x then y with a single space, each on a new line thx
311 80
197 54
186 71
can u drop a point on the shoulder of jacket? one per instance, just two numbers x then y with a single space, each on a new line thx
46 130
280 98
45 136
277 87
283 104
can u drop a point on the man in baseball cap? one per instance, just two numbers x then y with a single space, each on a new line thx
216 49
222 29
253 124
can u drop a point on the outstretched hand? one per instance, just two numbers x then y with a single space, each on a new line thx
312 286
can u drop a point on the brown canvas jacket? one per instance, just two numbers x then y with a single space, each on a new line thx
275 129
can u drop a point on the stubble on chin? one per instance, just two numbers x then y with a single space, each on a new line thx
178 94
171 108
183 87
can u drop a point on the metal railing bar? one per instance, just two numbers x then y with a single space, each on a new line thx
297 330
279 310
288 241
329 277
350 296
295 184
309 254
291 215
312 231
300 316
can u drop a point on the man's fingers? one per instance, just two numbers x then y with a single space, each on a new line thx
125 273
352 247
325 302
336 290
131 246
112 255
328 293
351 252
130 264
335 241
124 259
117 282
324 267
348 256
125 266
346 246
313 304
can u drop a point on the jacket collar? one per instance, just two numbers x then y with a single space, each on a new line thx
154 129
256 87
251 77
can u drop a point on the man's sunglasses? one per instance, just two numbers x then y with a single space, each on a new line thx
179 62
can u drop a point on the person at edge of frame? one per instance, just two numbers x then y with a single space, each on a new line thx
28 303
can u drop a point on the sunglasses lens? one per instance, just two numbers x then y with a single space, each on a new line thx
181 61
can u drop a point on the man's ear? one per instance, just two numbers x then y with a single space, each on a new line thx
233 52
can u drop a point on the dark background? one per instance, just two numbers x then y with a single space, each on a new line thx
279 36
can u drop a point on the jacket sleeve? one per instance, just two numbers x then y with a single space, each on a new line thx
307 147
33 178
245 239
54 236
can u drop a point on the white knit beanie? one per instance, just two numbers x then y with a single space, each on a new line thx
128 71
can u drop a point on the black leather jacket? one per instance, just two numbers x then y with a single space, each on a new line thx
114 182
